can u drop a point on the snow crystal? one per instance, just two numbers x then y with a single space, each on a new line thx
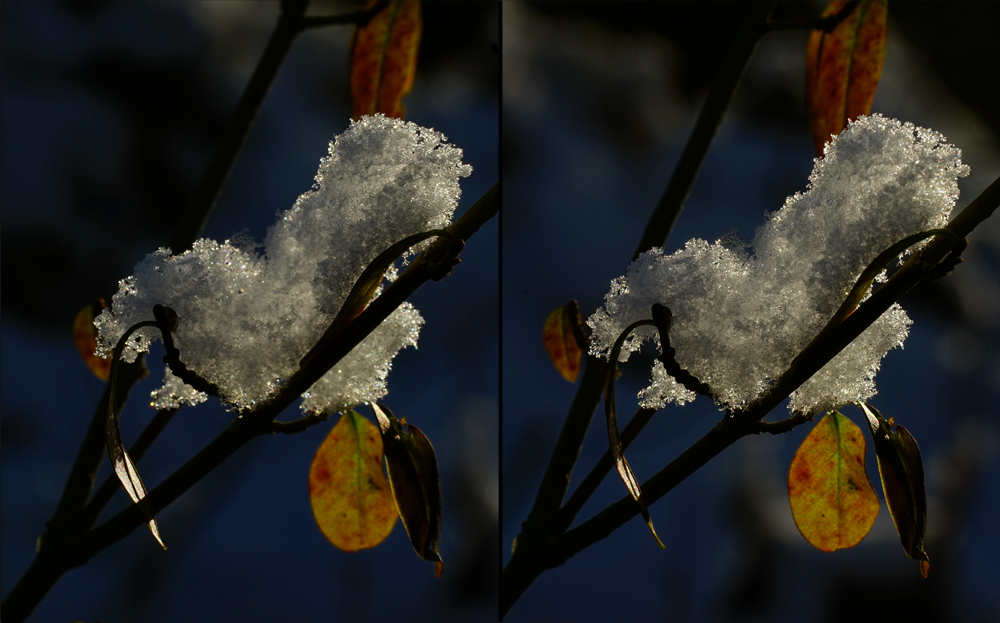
740 319
246 319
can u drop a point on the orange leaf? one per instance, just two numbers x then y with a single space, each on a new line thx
384 59
843 67
560 336
832 500
350 497
85 338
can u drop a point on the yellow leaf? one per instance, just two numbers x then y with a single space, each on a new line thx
833 502
350 497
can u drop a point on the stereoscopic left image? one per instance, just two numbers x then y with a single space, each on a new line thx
250 321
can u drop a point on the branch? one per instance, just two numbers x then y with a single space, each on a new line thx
826 24
661 223
526 564
80 482
59 555
782 426
600 471
663 319
357 18
297 426
195 215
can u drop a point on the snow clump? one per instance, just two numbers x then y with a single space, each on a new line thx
740 318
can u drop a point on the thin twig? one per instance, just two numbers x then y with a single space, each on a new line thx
297 426
826 24
195 215
80 482
661 222
782 426
357 18
663 319
600 470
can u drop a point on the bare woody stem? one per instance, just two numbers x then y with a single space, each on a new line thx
661 223
291 22
542 523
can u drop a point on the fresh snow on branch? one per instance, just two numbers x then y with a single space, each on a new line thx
246 319
739 319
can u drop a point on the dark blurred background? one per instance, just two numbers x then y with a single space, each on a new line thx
598 101
111 111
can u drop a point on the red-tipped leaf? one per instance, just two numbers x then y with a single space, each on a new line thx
843 67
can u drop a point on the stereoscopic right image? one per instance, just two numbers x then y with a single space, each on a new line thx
751 311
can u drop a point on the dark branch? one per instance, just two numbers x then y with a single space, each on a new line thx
600 471
826 24
663 319
357 18
297 426
661 222
782 426
195 215
554 549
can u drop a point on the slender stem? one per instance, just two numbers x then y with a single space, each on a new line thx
783 426
357 18
299 425
557 475
661 223
88 459
815 23
600 470
194 217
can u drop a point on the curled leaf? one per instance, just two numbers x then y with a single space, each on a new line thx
124 467
832 500
366 286
843 67
901 469
85 339
350 498
384 59
614 437
416 487
564 340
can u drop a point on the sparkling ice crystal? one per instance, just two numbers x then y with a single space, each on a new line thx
246 319
740 318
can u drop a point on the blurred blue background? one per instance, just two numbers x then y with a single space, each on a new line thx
598 101
111 111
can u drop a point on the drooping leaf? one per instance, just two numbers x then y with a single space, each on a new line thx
366 286
614 437
384 59
901 468
416 487
124 467
843 67
85 338
564 340
833 502
350 498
